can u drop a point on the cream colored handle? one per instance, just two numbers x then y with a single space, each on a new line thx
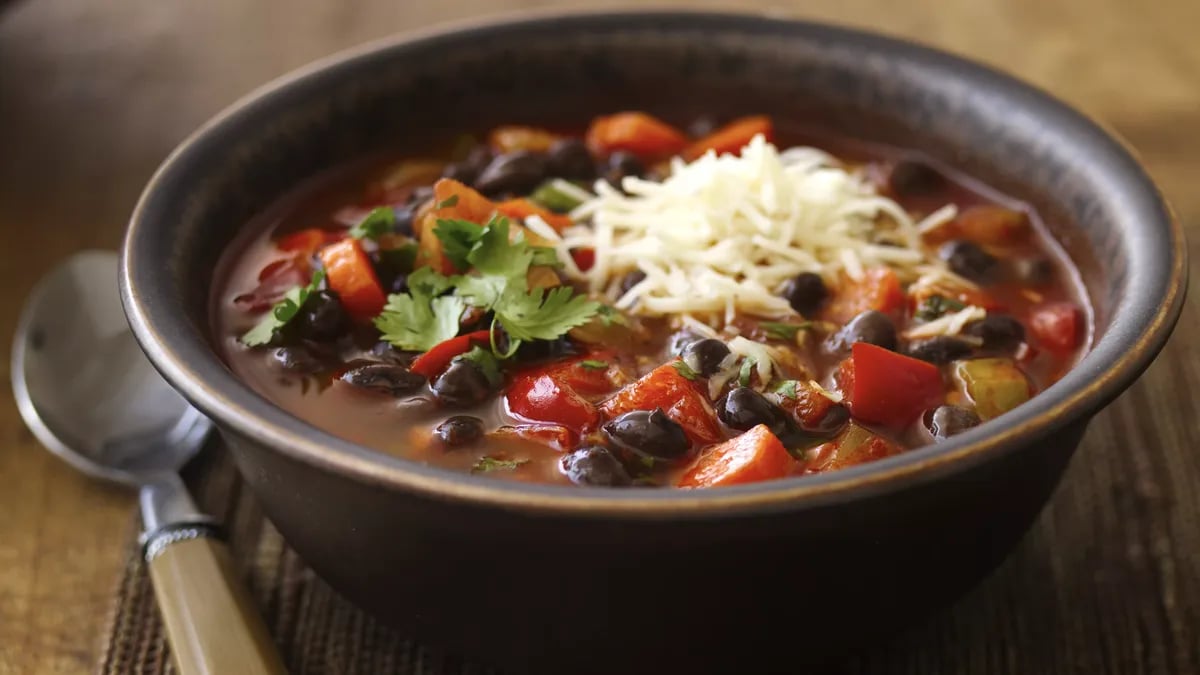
211 621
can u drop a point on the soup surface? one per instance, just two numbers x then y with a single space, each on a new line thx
640 304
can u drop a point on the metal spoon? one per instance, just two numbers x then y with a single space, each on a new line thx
89 395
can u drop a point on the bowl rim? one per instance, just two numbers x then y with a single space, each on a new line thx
235 406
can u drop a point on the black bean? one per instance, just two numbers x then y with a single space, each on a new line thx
998 331
649 434
1034 271
516 172
743 408
705 356
805 292
968 259
462 384
948 420
386 351
940 349
459 430
632 279
703 126
470 167
872 326
680 340
399 284
538 350
910 178
570 158
621 164
298 360
596 466
322 317
384 378
404 219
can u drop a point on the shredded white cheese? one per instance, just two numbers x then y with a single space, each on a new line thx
721 235
834 396
949 324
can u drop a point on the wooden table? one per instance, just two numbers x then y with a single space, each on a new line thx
93 95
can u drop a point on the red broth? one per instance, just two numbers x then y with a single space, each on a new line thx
839 394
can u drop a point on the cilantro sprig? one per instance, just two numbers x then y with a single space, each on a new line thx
283 312
426 315
936 306
784 331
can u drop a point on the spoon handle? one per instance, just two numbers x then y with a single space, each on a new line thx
212 623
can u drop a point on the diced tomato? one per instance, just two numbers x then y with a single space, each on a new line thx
855 445
306 242
879 290
558 437
992 224
522 208
732 137
754 456
584 258
542 397
636 132
1056 326
678 396
349 274
884 387
468 205
810 406
434 361
513 137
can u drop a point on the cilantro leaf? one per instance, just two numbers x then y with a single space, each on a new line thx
486 362
746 370
786 388
401 258
377 223
458 237
452 200
546 256
541 315
493 254
554 198
936 306
425 281
684 369
784 331
415 322
489 463
480 291
593 364
283 312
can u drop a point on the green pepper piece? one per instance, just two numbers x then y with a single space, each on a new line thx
554 199
856 445
995 385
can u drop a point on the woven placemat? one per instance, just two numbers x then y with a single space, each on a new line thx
1106 582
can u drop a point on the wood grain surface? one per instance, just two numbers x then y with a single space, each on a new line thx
94 94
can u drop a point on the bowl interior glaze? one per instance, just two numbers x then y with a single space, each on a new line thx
1097 201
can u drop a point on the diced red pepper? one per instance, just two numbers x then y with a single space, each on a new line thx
754 456
584 258
681 398
732 137
555 436
349 274
433 362
879 290
522 208
636 132
884 387
1056 326
542 397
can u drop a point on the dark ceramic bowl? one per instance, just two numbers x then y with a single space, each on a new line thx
557 579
